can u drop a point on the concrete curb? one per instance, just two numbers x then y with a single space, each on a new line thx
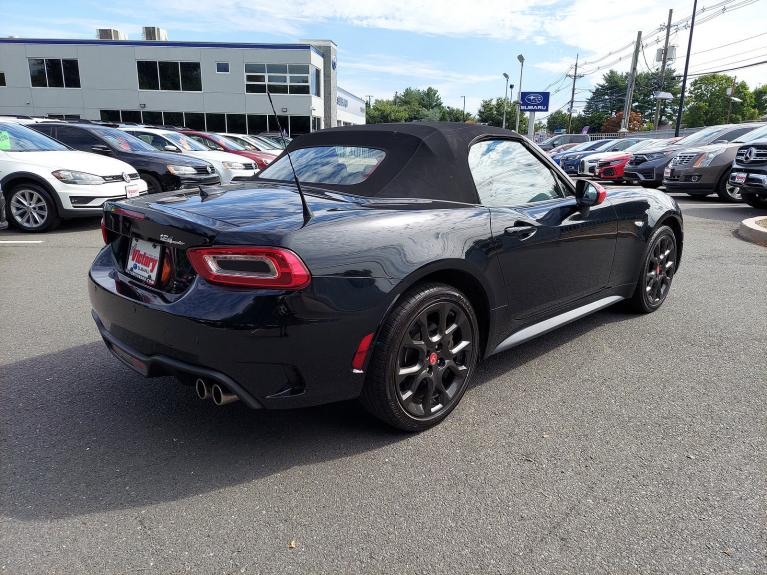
751 231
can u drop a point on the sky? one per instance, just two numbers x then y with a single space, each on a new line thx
462 48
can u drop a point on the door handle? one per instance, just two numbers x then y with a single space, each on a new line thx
521 230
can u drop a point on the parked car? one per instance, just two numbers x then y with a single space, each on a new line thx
162 171
229 167
587 166
561 149
219 143
648 166
571 160
705 170
577 148
421 248
44 181
561 139
276 138
253 143
3 219
610 165
749 172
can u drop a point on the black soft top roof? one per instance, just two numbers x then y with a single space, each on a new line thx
423 159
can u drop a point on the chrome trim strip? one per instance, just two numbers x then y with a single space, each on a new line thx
553 323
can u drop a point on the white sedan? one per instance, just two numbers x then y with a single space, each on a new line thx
44 181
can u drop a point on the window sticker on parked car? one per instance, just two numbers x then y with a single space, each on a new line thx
5 140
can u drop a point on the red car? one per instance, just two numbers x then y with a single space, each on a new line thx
612 168
216 142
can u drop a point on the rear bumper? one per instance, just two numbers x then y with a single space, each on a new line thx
277 350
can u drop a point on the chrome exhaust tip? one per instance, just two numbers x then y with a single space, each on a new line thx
202 388
221 395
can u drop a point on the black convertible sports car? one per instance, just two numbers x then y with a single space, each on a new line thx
420 249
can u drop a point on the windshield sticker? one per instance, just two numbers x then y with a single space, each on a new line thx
5 140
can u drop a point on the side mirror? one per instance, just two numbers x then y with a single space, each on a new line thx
170 148
102 149
589 194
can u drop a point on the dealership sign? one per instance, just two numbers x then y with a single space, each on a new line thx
534 101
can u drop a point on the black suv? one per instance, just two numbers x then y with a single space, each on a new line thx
162 171
749 173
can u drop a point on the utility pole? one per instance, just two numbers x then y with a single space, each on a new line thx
369 96
630 86
732 95
464 108
572 95
663 70
686 67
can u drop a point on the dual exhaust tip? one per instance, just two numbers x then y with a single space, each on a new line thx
219 394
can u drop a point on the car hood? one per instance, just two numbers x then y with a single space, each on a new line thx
171 158
605 155
73 160
712 148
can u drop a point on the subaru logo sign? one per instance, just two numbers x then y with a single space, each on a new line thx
534 101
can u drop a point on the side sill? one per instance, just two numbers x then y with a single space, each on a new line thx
553 323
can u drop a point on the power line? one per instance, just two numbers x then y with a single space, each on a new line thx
729 69
730 44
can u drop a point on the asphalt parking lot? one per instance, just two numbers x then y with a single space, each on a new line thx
619 444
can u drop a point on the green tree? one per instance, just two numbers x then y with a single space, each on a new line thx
557 121
491 113
384 111
760 100
450 114
708 102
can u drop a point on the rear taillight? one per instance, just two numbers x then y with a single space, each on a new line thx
104 233
128 213
276 268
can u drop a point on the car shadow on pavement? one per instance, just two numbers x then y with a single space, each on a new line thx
80 433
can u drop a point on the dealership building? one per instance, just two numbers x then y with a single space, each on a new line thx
213 86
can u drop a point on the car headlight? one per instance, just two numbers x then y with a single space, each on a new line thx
181 170
80 178
233 165
704 159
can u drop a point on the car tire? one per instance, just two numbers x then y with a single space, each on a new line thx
30 208
754 200
419 371
153 185
726 192
659 263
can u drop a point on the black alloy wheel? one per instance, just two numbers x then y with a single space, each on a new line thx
755 200
430 347
659 266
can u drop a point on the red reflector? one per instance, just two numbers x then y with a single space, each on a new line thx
128 213
104 234
362 351
276 268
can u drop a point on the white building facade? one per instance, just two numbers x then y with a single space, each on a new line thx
212 86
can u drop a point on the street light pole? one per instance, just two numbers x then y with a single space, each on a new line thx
521 59
686 67
505 95
464 108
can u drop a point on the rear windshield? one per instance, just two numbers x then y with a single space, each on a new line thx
758 134
338 165
124 141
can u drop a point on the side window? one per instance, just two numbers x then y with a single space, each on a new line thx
508 174
77 138
210 144
730 136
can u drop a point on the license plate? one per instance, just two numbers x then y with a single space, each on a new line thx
132 191
144 260
739 177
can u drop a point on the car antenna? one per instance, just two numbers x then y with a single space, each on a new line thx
307 211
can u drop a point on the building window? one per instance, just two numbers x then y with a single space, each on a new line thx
315 85
236 123
279 78
54 73
132 116
169 76
194 120
151 117
110 115
222 67
300 125
173 118
257 123
2 78
215 122
316 123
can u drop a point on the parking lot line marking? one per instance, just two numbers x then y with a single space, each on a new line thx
21 241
